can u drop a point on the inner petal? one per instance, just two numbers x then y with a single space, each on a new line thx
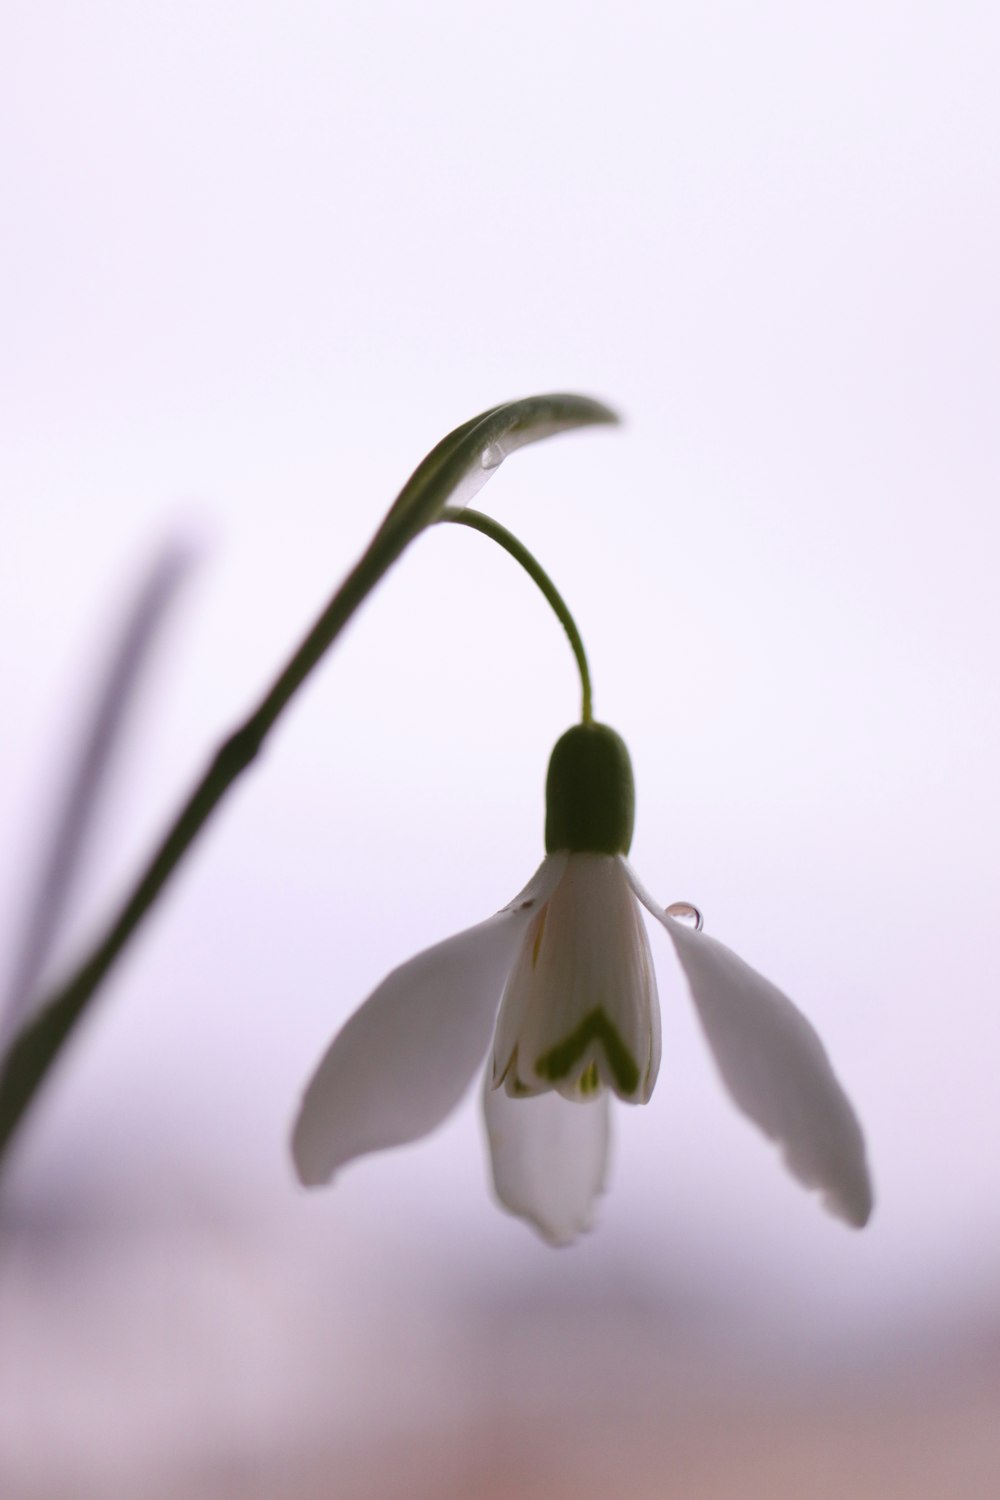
579 1012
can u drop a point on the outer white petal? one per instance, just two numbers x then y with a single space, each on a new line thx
403 1061
549 1157
775 1068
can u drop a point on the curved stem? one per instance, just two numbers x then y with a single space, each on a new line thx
459 465
509 542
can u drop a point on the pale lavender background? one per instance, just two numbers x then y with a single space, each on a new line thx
256 259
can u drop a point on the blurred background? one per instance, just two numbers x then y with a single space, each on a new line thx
257 259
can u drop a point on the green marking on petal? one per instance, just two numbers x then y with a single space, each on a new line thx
510 1081
516 1088
590 1080
540 928
595 1027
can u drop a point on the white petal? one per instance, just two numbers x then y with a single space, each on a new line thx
775 1068
549 1157
580 1008
403 1061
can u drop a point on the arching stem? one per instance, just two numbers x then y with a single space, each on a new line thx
509 542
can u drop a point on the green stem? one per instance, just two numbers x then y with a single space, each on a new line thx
460 464
509 542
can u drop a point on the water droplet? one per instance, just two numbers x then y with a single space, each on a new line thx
491 456
683 911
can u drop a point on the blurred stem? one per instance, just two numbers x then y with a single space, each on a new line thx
459 465
509 542
88 781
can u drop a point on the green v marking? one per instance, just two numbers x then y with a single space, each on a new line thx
595 1027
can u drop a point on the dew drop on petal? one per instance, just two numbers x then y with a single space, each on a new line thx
684 911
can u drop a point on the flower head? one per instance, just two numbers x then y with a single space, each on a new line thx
561 981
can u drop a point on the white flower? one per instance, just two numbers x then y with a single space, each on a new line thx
562 982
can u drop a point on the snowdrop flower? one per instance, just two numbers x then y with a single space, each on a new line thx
561 981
